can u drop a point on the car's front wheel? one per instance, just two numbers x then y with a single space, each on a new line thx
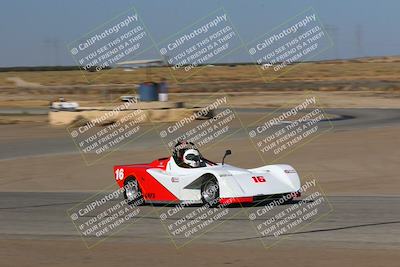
210 192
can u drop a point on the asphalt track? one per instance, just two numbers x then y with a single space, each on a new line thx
353 221
350 119
367 221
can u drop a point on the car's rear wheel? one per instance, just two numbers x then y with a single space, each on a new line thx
132 192
210 192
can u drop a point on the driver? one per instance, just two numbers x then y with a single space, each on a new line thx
191 157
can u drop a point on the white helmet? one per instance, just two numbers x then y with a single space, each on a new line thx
192 158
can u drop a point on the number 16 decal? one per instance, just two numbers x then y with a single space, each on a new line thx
119 174
258 179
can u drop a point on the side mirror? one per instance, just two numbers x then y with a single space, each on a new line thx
227 152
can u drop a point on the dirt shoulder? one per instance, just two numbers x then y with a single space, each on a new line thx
357 162
74 253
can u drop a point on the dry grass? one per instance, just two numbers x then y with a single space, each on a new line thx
363 83
328 71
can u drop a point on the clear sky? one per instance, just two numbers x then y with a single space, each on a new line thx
36 32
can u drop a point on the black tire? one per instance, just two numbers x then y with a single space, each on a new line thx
132 192
210 192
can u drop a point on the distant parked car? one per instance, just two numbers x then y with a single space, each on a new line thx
63 105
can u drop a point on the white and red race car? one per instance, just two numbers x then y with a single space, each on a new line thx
168 180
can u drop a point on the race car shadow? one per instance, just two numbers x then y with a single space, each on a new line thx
234 205
268 202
